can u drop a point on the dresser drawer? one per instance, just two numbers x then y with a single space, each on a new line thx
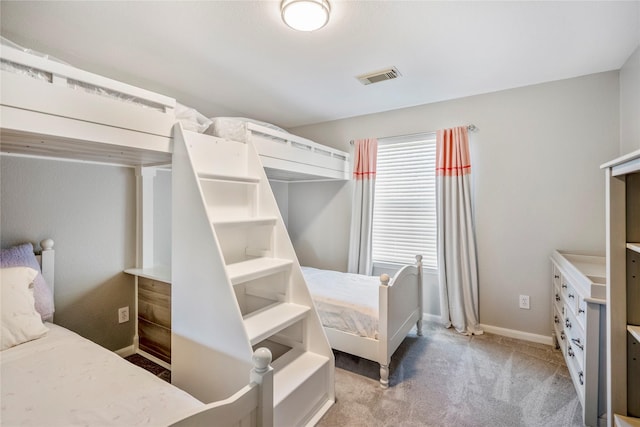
570 296
577 375
556 277
581 314
154 301
575 339
561 338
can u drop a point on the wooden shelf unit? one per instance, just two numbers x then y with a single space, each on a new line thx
623 286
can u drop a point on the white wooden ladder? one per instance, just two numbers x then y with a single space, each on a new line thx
237 284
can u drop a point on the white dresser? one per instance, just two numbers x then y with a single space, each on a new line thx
579 320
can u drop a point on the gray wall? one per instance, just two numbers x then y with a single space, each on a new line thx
538 185
89 211
162 217
630 104
281 194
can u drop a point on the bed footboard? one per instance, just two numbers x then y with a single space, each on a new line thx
250 406
400 308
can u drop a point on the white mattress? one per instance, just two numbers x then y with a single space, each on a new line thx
63 379
345 301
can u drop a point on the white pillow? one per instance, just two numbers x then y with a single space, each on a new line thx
20 320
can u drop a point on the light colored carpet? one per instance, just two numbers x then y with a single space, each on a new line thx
447 379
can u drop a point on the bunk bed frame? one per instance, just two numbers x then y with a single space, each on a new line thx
291 158
53 110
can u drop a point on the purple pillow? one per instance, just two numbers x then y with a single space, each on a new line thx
23 256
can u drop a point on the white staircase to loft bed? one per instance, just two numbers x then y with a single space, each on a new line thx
236 281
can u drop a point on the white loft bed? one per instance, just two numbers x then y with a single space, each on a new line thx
51 109
64 379
55 110
285 157
366 316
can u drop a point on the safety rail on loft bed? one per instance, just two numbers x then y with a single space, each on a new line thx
293 158
51 109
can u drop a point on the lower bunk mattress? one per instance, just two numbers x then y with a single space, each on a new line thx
63 379
345 301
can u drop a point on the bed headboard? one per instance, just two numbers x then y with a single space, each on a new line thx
47 264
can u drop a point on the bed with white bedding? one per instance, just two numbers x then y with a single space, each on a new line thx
52 376
368 316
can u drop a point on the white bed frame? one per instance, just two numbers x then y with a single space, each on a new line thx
251 406
291 158
400 307
49 118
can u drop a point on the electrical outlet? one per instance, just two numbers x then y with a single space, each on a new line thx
524 302
123 314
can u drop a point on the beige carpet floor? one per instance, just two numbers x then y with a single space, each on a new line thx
447 379
450 380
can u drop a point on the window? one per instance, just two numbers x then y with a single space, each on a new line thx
404 210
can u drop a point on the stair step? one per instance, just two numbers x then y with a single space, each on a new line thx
292 369
266 220
231 178
272 319
255 268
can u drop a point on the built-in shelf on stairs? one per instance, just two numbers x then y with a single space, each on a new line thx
237 284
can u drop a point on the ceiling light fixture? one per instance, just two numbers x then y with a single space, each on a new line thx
305 15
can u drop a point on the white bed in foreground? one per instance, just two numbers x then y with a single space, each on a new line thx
368 316
63 379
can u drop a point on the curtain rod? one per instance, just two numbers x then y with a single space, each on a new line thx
470 128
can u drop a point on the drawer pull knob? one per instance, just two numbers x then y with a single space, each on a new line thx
562 335
571 296
570 352
580 311
555 319
577 342
557 297
564 286
567 323
555 276
581 377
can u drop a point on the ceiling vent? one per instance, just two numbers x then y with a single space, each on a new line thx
379 76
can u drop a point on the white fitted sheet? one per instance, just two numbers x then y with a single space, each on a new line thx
345 301
63 379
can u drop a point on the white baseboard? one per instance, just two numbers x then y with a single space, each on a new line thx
512 333
126 351
431 317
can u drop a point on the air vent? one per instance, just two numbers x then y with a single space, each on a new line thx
379 76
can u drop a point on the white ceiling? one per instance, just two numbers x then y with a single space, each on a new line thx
238 58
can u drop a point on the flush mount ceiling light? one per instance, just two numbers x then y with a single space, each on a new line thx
305 15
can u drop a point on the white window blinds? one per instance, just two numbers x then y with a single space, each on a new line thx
404 210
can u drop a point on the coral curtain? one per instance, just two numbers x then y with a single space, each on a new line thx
364 176
457 259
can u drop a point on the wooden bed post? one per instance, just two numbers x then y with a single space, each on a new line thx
262 374
420 286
